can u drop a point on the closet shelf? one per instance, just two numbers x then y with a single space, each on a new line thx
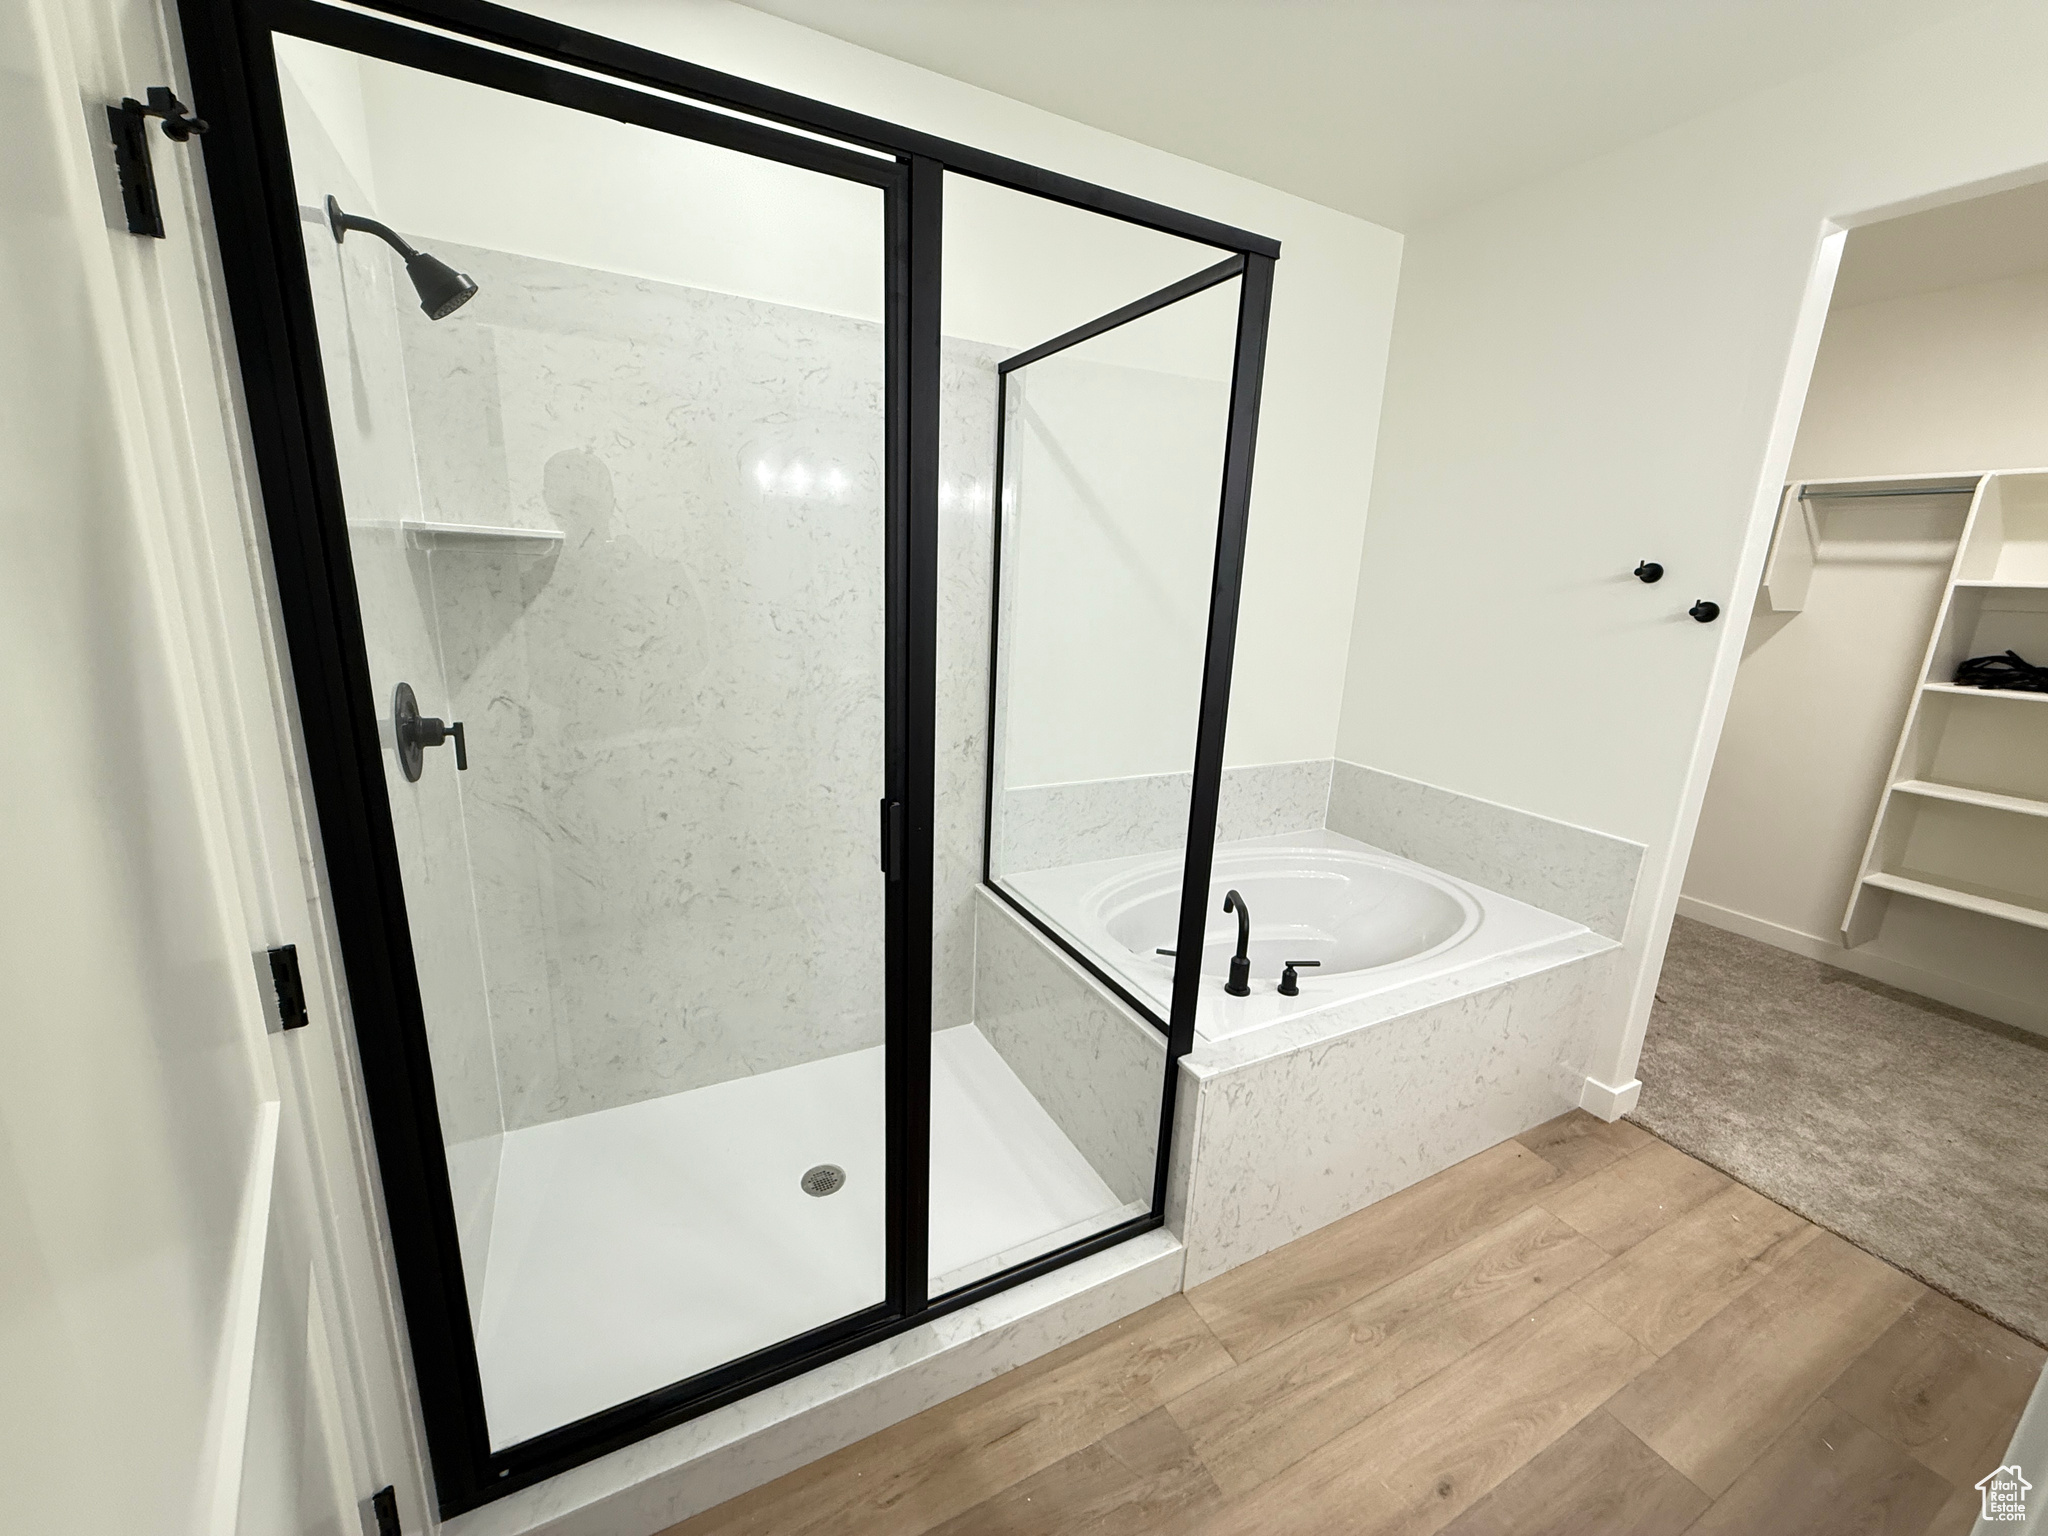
1995 599
1986 693
1930 790
1949 896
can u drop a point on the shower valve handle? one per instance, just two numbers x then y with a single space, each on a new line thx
416 732
431 732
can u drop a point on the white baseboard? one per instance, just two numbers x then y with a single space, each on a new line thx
1865 961
1607 1101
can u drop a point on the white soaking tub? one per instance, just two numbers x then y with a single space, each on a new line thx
1376 922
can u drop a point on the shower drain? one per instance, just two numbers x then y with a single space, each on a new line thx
825 1179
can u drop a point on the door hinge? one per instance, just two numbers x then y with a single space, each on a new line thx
892 839
129 123
384 1510
291 989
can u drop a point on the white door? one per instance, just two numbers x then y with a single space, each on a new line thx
195 1320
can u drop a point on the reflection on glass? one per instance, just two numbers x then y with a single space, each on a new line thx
621 515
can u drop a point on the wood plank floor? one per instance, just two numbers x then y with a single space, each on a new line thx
1581 1332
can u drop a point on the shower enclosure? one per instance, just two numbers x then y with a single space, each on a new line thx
660 615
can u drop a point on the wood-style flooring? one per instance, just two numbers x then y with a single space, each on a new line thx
1580 1332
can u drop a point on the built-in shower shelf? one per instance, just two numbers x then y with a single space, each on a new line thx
1950 896
2018 804
439 535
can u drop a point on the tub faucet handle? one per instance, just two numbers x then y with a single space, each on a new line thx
1290 984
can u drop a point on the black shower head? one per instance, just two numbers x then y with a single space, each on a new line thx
441 288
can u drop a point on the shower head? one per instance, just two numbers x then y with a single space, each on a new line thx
441 288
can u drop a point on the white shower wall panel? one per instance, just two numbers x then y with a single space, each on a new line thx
695 854
675 868
967 443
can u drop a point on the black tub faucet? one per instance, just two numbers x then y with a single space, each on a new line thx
1240 983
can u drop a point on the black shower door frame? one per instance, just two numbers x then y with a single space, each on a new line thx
254 202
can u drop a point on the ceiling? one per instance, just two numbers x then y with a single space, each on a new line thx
1394 110
1976 241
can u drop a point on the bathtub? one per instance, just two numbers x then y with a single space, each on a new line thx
1376 923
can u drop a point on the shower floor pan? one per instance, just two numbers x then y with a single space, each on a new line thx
636 1246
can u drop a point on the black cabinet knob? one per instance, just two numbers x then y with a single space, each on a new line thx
1706 612
1648 571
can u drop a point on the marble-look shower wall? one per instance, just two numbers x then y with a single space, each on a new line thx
362 317
967 456
675 716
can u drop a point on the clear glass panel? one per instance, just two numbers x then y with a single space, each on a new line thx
1112 482
1046 1094
621 514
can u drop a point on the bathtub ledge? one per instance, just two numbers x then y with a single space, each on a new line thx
1212 1058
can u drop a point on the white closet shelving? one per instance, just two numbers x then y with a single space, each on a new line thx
1963 820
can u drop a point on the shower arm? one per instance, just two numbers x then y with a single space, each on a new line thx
441 288
341 223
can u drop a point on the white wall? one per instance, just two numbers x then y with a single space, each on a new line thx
1587 371
1929 383
1333 306
1112 477
1926 383
132 1101
534 179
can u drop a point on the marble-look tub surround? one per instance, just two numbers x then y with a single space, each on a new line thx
1587 876
1284 1131
1092 1064
1286 1128
1573 871
1048 826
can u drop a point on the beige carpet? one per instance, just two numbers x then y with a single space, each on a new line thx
1917 1131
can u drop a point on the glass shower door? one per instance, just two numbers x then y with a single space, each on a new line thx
609 408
